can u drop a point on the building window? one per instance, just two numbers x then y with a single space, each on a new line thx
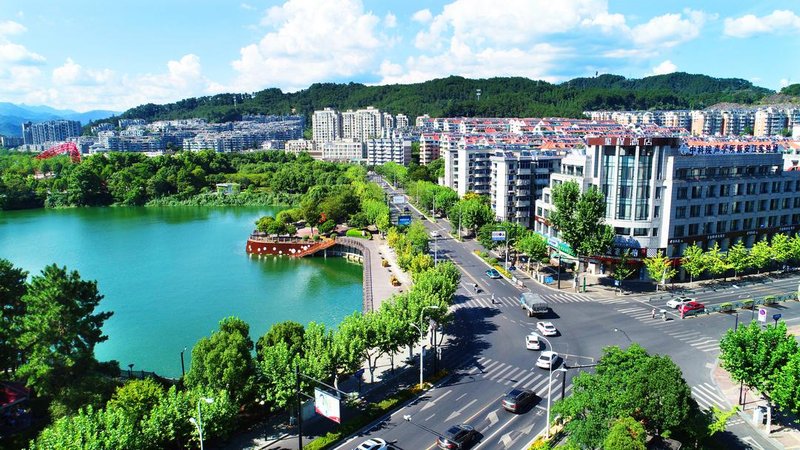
680 212
655 232
712 191
658 193
762 205
749 206
722 226
748 224
679 230
776 187
640 231
694 211
697 191
708 228
656 211
736 207
693 228
735 225
785 219
724 190
751 188
710 209
682 192
787 187
740 189
723 208
764 188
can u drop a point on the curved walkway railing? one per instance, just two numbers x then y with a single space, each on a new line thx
358 246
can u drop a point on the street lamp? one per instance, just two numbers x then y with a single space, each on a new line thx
736 324
563 370
198 423
549 387
421 337
130 371
617 330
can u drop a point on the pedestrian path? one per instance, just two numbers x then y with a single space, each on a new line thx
645 315
563 297
485 300
532 378
708 395
695 339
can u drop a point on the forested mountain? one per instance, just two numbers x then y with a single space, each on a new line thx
455 96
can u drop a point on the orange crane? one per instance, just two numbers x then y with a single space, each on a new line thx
67 147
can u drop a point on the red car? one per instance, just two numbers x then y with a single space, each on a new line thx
691 307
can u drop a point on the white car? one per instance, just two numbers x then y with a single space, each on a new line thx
548 360
434 234
373 444
546 328
532 342
678 301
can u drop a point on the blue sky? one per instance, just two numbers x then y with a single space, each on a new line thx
87 55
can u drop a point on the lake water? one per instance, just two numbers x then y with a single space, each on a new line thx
170 274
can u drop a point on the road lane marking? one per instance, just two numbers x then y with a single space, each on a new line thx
486 439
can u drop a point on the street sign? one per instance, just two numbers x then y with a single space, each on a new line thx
498 235
762 315
398 199
775 317
404 220
327 405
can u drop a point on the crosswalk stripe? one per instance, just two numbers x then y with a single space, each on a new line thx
487 371
712 392
536 387
487 368
522 380
510 375
705 398
500 372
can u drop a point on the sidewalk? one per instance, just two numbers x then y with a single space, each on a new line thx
782 435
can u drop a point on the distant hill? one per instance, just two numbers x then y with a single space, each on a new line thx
456 96
12 116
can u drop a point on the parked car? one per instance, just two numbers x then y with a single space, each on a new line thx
546 328
532 342
678 301
548 359
457 437
517 399
691 307
373 444
493 273
434 234
405 209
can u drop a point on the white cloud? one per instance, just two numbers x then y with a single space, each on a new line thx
390 20
247 7
669 30
664 68
422 16
784 82
608 23
310 41
778 22
71 73
9 27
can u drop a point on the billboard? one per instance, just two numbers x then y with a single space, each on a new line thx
398 199
404 220
498 235
327 405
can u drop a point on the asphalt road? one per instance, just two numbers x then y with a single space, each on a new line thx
487 355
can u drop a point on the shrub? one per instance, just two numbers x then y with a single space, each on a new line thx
770 300
356 234
747 304
726 306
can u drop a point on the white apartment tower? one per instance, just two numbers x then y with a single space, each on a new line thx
326 125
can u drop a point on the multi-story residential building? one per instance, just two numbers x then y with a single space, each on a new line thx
737 121
517 180
706 122
467 168
393 148
678 119
11 141
50 131
770 122
401 121
428 147
344 150
662 195
326 125
297 146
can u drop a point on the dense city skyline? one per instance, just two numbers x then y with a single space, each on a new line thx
81 57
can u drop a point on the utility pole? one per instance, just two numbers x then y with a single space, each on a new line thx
299 408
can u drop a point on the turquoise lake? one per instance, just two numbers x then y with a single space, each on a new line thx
170 274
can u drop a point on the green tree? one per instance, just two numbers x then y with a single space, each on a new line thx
535 246
739 258
622 270
760 255
715 261
693 261
628 383
277 367
781 248
363 332
137 398
224 361
786 385
470 213
12 310
579 219
755 356
91 428
660 268
625 434
59 330
290 332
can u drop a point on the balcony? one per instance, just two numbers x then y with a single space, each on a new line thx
523 171
522 214
522 203
523 183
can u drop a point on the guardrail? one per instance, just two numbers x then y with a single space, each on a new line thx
359 246
750 303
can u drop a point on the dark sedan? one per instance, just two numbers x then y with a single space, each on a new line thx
518 399
457 437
